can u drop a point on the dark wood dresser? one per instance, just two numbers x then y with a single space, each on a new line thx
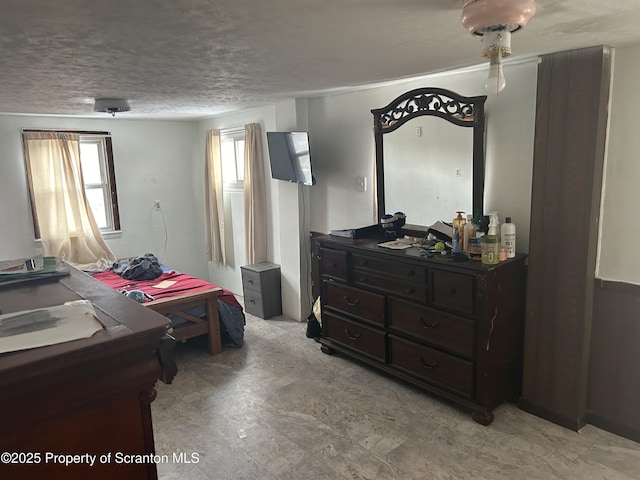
89 396
451 328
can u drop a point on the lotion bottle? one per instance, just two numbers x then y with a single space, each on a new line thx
491 242
458 224
508 236
470 229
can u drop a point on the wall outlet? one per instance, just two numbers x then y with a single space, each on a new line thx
362 184
156 205
458 172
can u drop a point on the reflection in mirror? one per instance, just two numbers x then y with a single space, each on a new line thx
428 167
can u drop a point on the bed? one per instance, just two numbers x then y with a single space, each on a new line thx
194 307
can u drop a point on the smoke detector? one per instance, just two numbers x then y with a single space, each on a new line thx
111 105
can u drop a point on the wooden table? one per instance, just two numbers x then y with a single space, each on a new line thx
86 397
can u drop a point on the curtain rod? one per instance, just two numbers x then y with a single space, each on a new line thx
79 132
231 131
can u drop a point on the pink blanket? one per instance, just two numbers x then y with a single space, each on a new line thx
183 284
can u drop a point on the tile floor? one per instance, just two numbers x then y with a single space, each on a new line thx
279 408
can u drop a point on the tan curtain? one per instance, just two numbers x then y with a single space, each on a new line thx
214 202
68 229
255 197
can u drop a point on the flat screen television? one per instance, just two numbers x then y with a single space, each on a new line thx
289 157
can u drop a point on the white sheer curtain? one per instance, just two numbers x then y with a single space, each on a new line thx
67 227
214 199
255 197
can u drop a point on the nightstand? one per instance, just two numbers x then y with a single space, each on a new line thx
261 289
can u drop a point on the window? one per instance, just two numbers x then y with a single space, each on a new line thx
96 159
232 157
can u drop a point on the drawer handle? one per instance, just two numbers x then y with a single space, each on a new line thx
363 263
351 303
351 336
411 291
411 273
429 325
427 365
251 300
364 279
333 265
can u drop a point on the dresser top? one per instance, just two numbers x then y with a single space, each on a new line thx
127 324
370 245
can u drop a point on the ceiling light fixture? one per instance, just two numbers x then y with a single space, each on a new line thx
111 105
494 21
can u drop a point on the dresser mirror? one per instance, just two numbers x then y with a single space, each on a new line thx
434 165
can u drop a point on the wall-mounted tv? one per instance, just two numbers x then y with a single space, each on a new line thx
289 157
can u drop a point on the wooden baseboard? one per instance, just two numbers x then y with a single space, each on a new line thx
574 424
626 430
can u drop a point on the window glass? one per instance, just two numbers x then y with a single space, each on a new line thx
232 157
90 160
95 197
240 159
93 159
227 152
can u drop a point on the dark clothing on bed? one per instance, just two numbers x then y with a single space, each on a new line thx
146 267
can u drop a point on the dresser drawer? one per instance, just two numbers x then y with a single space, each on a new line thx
406 272
365 340
366 305
438 328
412 291
454 291
432 365
333 263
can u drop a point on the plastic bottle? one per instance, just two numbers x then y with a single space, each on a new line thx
456 241
508 236
491 242
470 229
458 224
495 223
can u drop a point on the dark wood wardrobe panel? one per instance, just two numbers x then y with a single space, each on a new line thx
614 380
572 98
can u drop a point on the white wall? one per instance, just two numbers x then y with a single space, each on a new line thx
229 276
342 147
153 161
619 227
288 222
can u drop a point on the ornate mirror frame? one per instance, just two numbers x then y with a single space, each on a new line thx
457 109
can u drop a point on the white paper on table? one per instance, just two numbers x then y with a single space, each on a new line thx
47 326
396 244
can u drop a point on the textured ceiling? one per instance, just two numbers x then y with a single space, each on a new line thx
195 58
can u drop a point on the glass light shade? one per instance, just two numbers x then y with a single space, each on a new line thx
480 16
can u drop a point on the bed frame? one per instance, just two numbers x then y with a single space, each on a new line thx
198 326
182 333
